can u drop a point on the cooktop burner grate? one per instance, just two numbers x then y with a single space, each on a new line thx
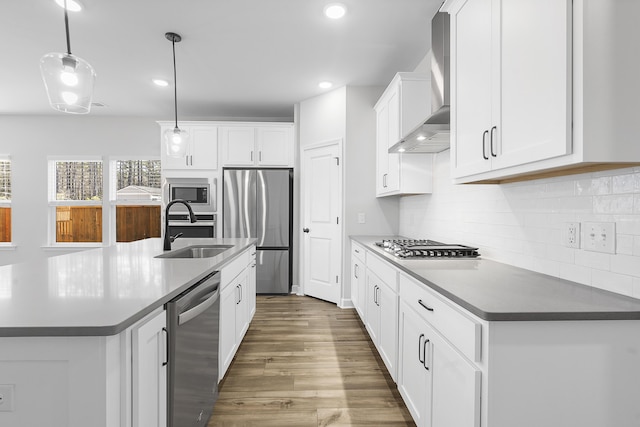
423 248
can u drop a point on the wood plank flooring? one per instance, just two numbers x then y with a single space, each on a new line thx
305 362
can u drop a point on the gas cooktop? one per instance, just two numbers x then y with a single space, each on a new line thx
421 248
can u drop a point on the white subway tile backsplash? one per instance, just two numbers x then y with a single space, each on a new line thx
625 264
590 186
613 204
624 183
624 244
522 223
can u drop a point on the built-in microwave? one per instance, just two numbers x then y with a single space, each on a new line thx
200 193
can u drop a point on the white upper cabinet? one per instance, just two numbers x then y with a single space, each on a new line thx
542 88
511 83
257 145
202 148
401 108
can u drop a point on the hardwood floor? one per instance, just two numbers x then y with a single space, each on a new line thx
305 362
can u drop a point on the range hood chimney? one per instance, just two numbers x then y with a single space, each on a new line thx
432 135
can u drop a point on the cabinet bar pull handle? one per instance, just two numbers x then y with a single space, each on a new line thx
424 305
493 153
357 251
355 271
166 346
241 293
238 294
252 156
484 145
260 155
425 354
420 359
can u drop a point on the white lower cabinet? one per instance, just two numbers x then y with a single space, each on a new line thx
358 278
439 386
381 317
149 372
237 306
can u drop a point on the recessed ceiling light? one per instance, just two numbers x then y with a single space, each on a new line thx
325 85
72 5
160 82
421 138
335 10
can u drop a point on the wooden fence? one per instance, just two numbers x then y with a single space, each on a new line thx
137 222
5 224
79 224
84 223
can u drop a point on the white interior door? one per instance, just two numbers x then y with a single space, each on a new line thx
322 222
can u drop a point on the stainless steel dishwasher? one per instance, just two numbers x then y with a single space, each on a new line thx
192 321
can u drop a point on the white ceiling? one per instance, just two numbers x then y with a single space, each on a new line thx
237 58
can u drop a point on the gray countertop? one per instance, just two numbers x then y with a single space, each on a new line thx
100 291
496 291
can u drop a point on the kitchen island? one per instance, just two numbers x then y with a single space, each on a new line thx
70 330
474 342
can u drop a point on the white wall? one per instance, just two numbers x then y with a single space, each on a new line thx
521 223
347 113
30 139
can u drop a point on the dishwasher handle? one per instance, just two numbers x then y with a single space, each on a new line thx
198 309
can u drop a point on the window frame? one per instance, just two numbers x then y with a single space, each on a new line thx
52 203
113 203
8 204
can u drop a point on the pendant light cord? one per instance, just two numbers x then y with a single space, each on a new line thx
175 82
66 26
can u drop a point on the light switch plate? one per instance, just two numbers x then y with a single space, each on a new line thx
361 218
599 237
6 397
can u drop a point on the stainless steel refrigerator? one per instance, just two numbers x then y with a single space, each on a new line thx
259 203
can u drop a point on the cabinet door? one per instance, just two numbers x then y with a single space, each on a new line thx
357 285
228 343
204 148
535 77
275 146
388 332
382 146
455 386
149 372
472 82
413 377
238 145
372 317
242 307
393 136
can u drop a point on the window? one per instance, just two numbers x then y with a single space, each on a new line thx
137 198
5 200
75 195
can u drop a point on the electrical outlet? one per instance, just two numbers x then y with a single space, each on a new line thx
600 237
6 397
361 218
571 235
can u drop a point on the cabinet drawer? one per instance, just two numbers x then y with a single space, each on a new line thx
383 270
357 250
462 331
235 267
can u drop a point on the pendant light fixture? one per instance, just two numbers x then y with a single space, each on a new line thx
175 139
67 78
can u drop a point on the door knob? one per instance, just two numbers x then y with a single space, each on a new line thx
306 230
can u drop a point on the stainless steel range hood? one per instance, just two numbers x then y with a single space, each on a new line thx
432 135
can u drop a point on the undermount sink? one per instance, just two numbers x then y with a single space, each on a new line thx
196 251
